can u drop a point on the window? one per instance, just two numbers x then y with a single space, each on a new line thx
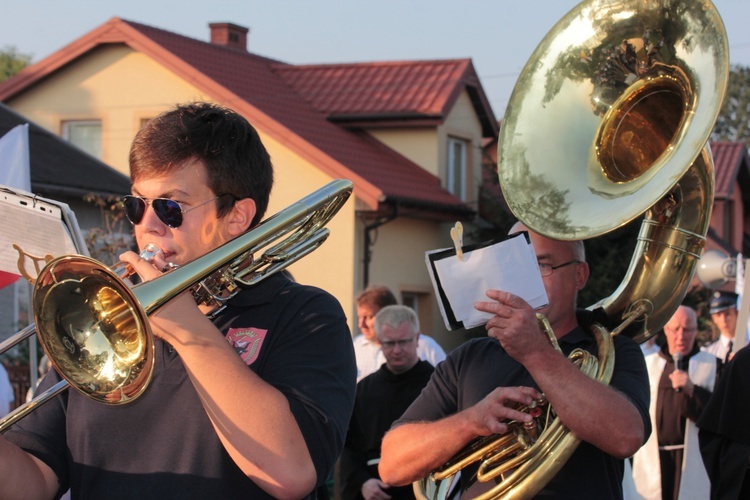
422 303
410 299
86 134
456 173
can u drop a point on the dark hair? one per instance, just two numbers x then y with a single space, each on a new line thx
236 161
376 296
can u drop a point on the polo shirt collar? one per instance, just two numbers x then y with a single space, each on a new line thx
261 293
576 337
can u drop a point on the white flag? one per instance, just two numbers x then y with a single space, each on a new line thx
15 172
15 166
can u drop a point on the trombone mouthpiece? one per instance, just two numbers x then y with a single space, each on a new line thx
124 270
150 251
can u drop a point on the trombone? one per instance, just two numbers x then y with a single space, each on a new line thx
93 325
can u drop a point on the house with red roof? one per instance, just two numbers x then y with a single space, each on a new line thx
407 133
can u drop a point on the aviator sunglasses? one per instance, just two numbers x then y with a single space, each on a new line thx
168 211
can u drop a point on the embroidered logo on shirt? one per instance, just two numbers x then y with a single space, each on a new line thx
247 342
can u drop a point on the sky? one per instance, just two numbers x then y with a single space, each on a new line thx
498 35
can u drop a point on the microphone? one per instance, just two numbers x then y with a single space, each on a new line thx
677 358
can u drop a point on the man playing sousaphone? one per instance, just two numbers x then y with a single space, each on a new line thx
474 392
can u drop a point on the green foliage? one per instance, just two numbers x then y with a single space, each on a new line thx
733 123
11 62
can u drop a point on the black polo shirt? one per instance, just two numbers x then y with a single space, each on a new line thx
479 366
162 445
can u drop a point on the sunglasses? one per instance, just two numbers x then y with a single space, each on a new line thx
168 211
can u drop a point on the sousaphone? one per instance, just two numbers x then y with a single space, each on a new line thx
608 121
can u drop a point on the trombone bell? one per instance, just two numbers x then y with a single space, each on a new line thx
94 329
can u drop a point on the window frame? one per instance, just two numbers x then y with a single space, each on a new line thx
455 178
95 150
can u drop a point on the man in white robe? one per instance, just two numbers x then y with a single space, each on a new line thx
669 465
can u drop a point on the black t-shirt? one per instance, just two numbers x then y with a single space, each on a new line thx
477 367
163 445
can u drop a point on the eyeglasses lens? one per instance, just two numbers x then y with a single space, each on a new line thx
134 208
168 211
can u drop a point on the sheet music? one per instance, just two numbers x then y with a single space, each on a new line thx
36 226
508 265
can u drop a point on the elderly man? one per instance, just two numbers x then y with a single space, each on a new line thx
474 392
381 398
670 465
366 346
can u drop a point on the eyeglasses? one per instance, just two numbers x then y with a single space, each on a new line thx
390 344
168 211
546 269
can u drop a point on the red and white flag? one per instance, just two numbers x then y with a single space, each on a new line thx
15 172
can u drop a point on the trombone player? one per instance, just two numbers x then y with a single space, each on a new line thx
252 403
474 392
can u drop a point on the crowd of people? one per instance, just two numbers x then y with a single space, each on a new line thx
266 397
640 433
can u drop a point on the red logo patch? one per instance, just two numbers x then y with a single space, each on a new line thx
247 342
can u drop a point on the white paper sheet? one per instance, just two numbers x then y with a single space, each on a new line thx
508 265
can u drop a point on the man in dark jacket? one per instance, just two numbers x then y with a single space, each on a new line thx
381 398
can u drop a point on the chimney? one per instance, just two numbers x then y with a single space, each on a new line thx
229 35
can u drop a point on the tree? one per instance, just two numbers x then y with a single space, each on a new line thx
733 123
12 61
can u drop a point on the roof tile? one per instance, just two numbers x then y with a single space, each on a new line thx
404 87
728 158
275 88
